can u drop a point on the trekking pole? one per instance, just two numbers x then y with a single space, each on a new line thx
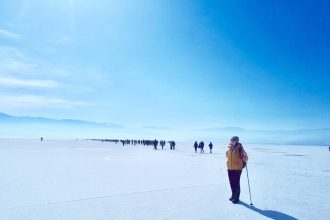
247 174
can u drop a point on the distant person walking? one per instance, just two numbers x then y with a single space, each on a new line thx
211 147
155 144
236 161
195 146
162 143
172 145
201 146
41 139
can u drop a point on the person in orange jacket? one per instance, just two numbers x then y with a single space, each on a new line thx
236 161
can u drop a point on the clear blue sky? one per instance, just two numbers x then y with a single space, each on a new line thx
179 64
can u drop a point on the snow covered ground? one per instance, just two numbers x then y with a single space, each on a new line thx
95 180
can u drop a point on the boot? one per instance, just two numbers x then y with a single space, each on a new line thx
235 201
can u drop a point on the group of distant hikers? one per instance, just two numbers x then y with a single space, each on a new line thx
147 143
200 145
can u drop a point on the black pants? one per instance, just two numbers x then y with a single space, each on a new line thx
234 180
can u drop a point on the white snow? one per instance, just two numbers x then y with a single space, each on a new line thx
93 180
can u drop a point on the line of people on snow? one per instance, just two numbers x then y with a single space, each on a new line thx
147 143
201 145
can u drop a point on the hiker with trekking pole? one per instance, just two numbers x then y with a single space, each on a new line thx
236 162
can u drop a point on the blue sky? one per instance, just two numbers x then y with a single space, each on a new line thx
170 64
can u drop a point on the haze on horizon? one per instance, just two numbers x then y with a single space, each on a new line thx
169 67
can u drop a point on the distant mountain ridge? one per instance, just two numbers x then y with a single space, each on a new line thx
239 129
309 136
28 126
30 119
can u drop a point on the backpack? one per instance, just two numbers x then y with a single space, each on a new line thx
244 164
240 153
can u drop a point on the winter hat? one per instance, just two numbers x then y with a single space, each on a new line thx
234 138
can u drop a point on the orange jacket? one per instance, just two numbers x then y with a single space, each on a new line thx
235 157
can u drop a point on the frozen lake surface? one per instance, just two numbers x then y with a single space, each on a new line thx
94 180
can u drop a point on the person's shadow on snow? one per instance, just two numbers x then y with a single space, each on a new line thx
269 213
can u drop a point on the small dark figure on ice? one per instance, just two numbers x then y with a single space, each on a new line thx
201 146
172 145
162 143
211 147
195 146
155 144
